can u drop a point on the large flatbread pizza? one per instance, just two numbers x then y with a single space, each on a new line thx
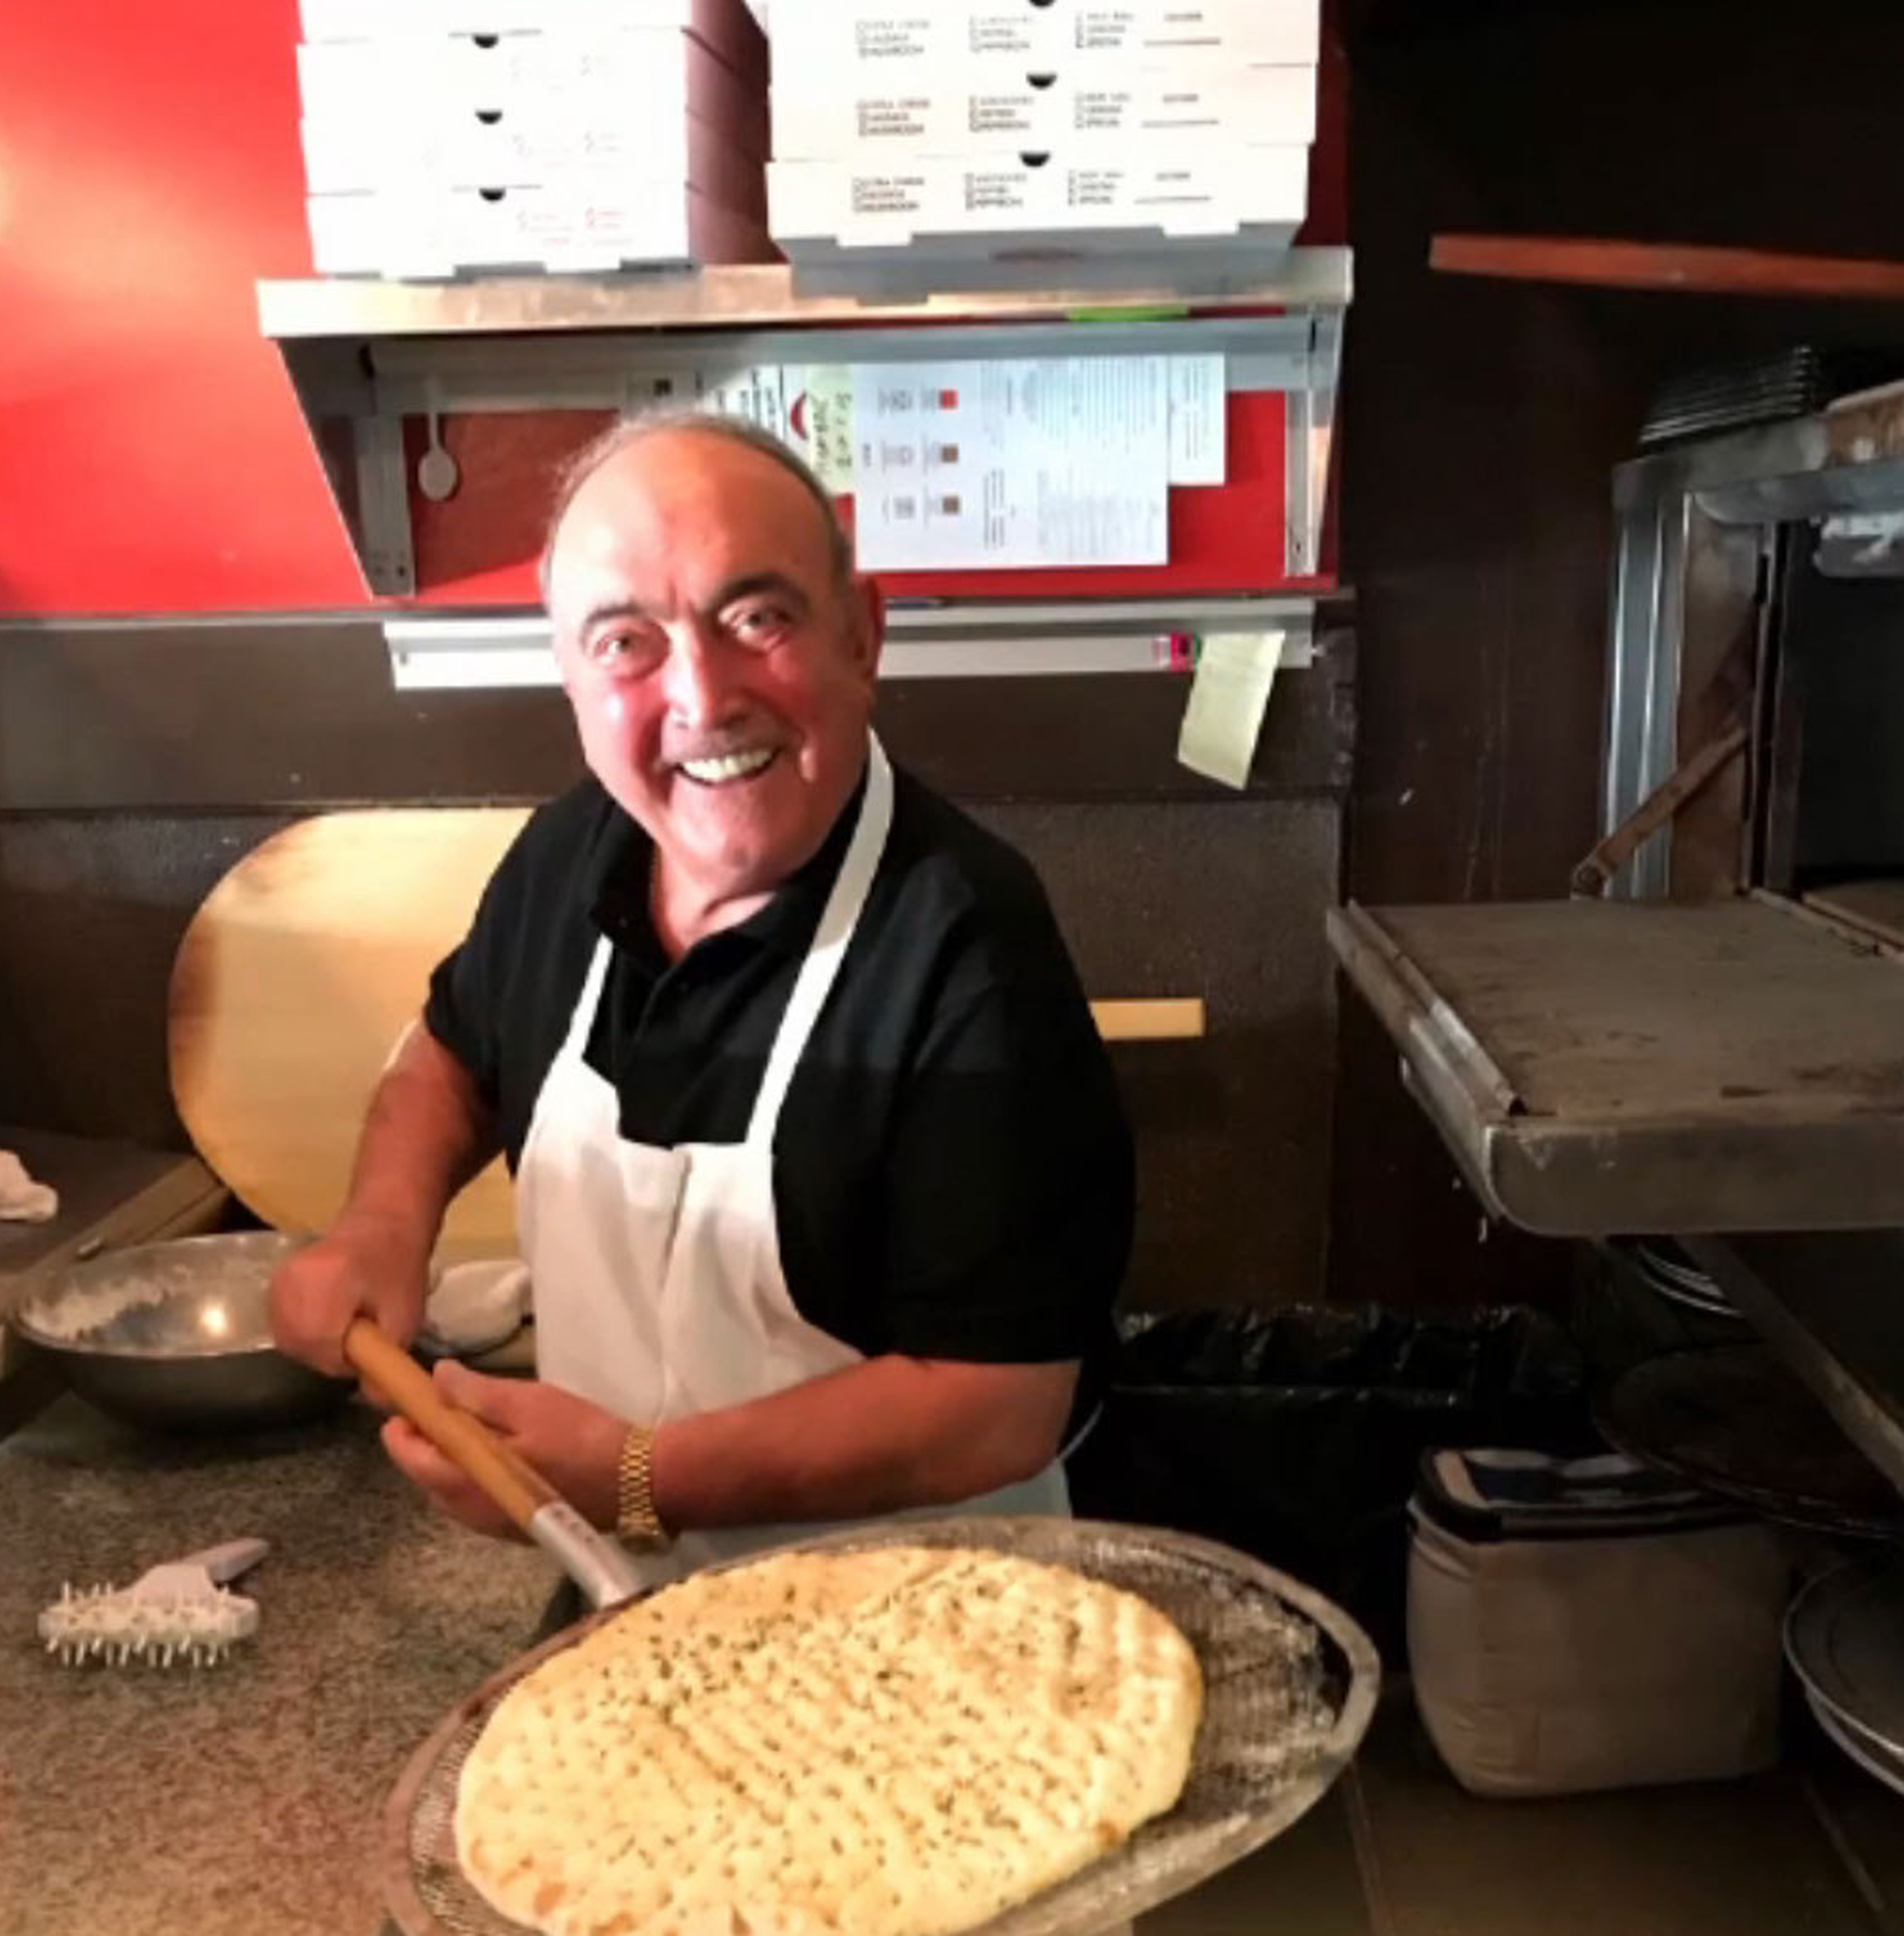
902 1742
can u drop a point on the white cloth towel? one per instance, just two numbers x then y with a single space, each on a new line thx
473 1306
22 1200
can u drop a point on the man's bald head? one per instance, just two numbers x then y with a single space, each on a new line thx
674 419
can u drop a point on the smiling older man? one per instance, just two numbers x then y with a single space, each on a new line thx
822 1175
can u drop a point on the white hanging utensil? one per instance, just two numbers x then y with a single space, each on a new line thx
437 474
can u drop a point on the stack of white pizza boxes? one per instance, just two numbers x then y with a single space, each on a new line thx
445 136
1054 135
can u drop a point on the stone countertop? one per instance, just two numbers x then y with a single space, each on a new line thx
244 1798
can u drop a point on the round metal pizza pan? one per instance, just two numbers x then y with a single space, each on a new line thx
1844 1636
1668 1273
1664 1258
1733 1419
1247 1782
1691 1300
1869 1754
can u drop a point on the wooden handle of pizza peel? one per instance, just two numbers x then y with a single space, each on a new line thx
505 1475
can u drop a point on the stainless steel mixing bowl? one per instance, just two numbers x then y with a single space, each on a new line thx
177 1335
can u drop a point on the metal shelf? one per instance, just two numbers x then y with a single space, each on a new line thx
981 639
363 355
1609 1066
740 296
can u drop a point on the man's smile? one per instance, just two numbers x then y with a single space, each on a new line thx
725 768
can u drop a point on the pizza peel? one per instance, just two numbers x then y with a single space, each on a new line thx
1251 1775
294 981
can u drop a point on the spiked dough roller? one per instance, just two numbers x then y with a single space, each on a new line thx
593 1561
181 1613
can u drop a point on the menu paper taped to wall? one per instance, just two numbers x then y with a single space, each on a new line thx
1198 388
820 418
1229 695
755 394
1011 462
818 399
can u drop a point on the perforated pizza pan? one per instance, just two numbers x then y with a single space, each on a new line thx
1259 1764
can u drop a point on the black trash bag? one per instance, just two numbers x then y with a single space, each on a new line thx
1295 1434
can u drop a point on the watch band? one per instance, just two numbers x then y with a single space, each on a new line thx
636 1520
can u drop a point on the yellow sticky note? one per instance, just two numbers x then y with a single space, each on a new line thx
1229 694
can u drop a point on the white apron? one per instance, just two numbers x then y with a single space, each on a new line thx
657 1273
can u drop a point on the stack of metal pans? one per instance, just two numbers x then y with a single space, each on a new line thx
1844 1637
1666 1270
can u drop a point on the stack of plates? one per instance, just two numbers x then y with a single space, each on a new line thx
1844 1637
1667 1270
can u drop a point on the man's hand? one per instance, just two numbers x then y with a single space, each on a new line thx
426 1133
574 1444
362 1267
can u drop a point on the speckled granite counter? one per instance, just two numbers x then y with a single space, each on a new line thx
244 1800
241 1801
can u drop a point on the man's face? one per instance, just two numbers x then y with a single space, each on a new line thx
721 675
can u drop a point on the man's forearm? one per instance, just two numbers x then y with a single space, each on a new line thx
426 1134
878 1437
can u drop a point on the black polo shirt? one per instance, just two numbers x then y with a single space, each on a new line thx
952 1169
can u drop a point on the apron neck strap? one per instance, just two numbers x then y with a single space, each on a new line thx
830 941
583 1019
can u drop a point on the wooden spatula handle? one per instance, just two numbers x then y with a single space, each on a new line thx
504 1475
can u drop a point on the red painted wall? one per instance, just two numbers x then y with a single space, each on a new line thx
153 457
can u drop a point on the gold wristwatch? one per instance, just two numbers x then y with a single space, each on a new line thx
637 1523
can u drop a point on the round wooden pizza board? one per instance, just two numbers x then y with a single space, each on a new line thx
294 982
